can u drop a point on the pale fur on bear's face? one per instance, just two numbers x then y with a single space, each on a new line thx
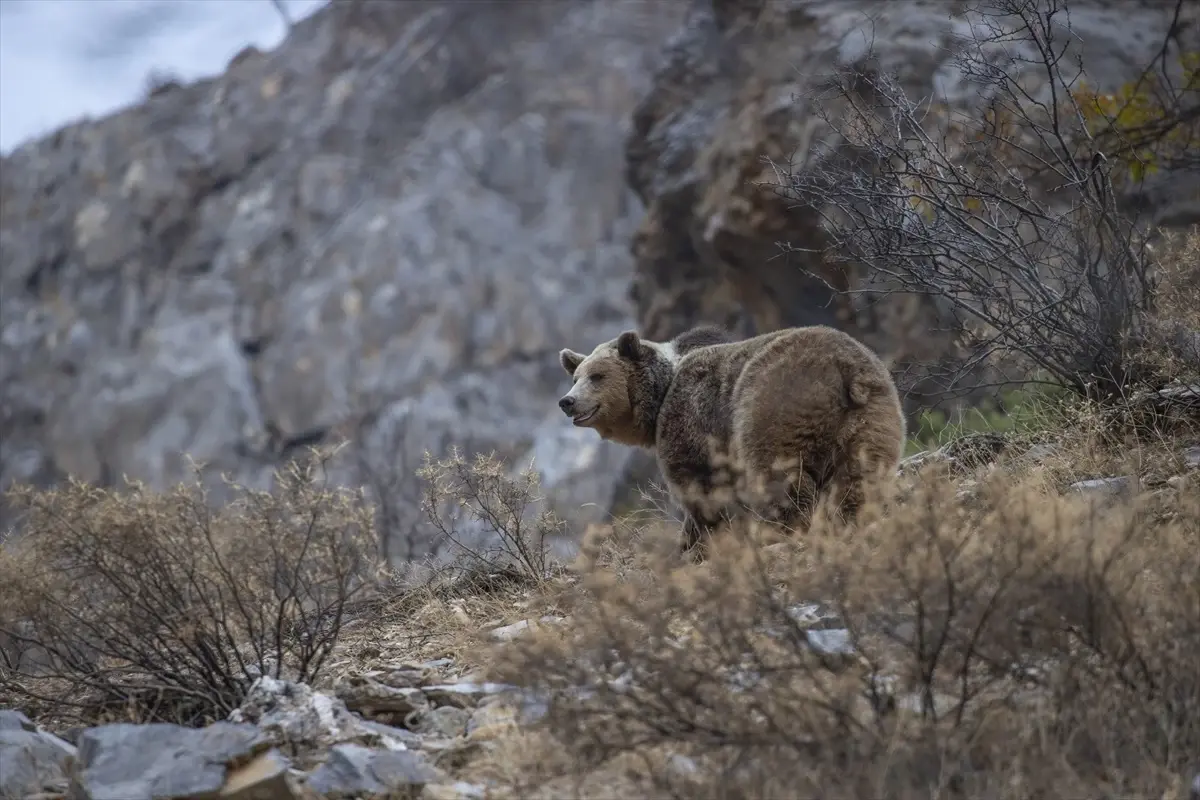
614 388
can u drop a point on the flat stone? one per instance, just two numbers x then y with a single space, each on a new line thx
465 694
446 721
31 761
353 770
263 778
160 761
1104 487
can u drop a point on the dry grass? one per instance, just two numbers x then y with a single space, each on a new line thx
1172 346
1008 638
139 605
1005 637
1006 643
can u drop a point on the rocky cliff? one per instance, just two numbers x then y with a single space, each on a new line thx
388 227
396 218
733 99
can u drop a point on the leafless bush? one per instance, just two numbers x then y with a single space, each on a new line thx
1172 343
1007 213
1002 644
487 515
387 461
154 606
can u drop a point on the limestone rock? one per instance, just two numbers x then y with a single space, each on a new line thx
158 761
731 95
31 760
305 723
402 212
352 771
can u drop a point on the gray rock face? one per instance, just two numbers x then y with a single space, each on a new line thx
158 761
400 214
302 722
390 225
353 771
31 761
15 721
732 94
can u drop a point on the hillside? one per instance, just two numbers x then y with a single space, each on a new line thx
387 227
236 317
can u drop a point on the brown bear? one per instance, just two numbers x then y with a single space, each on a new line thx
797 412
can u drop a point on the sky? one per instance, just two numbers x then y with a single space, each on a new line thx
61 60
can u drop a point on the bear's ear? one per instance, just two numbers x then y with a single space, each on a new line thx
570 360
629 345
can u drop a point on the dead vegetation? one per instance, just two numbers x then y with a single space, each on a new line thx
1011 215
984 630
135 605
989 630
1002 641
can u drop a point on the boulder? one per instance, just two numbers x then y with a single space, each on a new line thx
32 761
304 723
158 761
354 771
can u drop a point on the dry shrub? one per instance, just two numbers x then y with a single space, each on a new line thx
154 606
1172 345
1007 643
489 516
1016 214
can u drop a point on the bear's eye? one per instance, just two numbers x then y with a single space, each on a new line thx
595 378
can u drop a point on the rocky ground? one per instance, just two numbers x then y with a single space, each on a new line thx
385 230
408 706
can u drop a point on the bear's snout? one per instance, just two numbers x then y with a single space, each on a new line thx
567 404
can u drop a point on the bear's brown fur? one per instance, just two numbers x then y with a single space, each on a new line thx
805 411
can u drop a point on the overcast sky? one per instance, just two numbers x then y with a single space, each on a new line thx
64 59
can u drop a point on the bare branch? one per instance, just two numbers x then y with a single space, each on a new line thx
1005 211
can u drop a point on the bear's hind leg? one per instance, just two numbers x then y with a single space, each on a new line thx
696 536
783 495
796 511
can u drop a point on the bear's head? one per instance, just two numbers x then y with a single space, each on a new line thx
618 389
